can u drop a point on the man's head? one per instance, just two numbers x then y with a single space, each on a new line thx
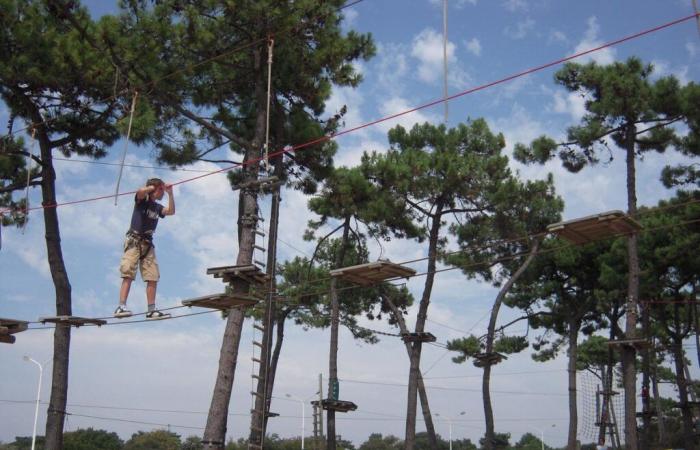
159 186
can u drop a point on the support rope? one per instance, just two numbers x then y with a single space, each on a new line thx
126 146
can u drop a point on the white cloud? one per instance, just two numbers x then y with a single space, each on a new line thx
473 46
571 103
34 257
521 29
590 41
691 48
395 105
428 48
663 68
350 15
392 67
516 5
558 36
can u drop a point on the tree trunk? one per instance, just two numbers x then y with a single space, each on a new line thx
677 336
659 414
414 370
258 420
279 340
629 371
645 440
215 428
490 434
425 407
574 326
61 344
333 356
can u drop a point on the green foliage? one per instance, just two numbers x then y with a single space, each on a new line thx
621 101
192 443
89 439
25 443
201 106
468 347
501 441
376 441
42 53
529 441
153 440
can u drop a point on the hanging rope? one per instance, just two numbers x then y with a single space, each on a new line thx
126 146
697 13
270 45
29 178
444 55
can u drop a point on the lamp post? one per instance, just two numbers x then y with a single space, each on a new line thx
449 422
38 397
541 430
303 416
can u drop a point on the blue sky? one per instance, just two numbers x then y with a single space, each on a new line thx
171 365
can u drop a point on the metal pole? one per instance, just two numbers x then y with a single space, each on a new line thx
303 416
450 423
38 398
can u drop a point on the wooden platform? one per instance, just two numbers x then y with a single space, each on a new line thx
8 327
493 358
418 337
221 301
336 405
638 344
259 183
250 274
73 321
372 273
595 227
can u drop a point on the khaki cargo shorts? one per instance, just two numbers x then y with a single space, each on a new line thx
134 249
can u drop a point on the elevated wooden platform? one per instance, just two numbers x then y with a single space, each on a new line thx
418 337
493 358
263 182
595 227
73 321
221 301
336 405
250 274
372 273
8 327
638 344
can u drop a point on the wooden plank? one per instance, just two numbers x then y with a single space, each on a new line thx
371 273
13 325
247 273
639 344
336 405
7 339
221 301
595 227
418 337
74 321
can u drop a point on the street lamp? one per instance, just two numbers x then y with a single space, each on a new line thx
449 422
303 415
38 397
541 430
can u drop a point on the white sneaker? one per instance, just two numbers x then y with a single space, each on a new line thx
121 312
157 315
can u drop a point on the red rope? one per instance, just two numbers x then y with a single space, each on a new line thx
325 138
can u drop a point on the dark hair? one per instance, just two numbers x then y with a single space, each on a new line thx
155 182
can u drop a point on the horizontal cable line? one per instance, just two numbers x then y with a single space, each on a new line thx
444 388
525 372
437 271
325 138
137 166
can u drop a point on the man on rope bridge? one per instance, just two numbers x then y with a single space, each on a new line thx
138 247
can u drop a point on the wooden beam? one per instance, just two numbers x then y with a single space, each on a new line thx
373 272
595 227
73 321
